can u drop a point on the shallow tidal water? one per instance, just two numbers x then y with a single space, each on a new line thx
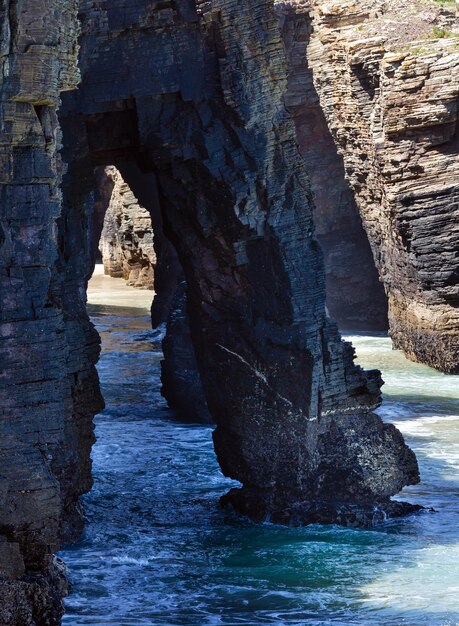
158 550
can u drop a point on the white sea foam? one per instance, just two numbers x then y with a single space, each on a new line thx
430 582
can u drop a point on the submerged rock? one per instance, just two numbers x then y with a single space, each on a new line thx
259 506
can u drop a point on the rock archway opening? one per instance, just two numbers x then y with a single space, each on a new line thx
232 211
123 231
124 243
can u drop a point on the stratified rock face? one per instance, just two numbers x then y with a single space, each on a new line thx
126 241
202 111
35 599
189 105
41 475
181 381
355 296
392 108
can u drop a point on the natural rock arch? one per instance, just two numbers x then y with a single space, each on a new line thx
234 199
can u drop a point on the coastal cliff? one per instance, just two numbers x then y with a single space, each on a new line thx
387 74
126 239
44 453
225 119
355 295
201 117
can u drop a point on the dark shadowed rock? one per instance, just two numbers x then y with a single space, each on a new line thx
181 381
45 434
198 126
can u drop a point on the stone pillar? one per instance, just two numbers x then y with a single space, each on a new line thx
39 463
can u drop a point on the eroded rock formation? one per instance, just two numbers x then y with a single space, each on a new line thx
202 112
355 295
198 127
387 75
45 422
126 241
180 377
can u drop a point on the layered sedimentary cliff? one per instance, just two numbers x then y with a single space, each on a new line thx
202 113
188 100
126 240
45 438
388 78
355 295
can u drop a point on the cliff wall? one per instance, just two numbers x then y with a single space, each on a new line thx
387 75
126 241
41 444
187 100
355 295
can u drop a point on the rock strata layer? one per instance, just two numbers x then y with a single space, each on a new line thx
126 241
355 295
180 377
45 433
387 76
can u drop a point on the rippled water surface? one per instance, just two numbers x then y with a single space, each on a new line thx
157 549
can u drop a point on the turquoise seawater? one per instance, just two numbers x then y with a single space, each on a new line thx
158 550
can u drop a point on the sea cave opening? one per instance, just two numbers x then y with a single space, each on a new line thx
124 245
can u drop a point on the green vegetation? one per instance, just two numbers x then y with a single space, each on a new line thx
441 33
418 51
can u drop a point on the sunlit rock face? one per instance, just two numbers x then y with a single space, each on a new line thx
355 294
126 241
386 74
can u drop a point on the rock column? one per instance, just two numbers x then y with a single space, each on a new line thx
40 475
